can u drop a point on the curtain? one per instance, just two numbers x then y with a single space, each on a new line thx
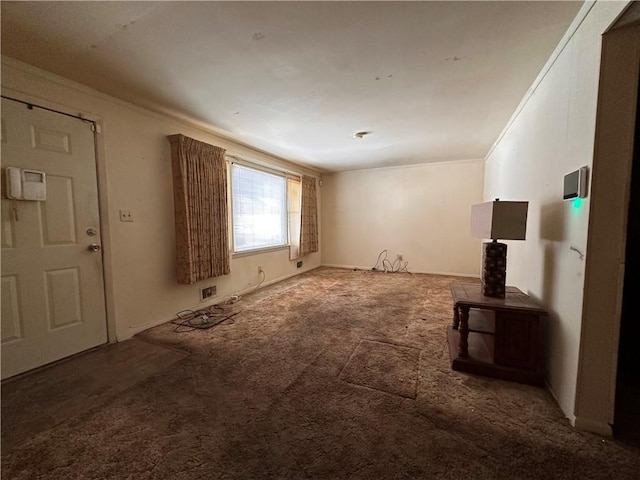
200 203
294 212
309 217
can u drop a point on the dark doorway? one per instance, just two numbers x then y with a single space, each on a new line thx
627 413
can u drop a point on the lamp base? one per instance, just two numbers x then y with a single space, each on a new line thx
494 269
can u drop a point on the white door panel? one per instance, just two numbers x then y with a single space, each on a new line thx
52 284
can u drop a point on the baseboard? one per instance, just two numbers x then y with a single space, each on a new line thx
134 330
581 423
569 416
350 267
270 282
447 274
360 267
593 426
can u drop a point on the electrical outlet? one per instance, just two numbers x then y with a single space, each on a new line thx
126 216
208 292
299 264
260 269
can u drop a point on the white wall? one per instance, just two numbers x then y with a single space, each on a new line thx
421 212
134 165
552 135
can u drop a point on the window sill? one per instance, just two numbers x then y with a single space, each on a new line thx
258 251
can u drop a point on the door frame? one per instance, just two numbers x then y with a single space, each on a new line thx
607 235
103 203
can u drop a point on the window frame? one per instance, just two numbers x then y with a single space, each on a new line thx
270 171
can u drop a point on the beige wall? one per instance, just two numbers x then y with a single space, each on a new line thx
134 165
553 134
421 212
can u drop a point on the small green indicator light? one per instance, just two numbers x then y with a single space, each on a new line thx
577 203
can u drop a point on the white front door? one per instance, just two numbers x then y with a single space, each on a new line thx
52 284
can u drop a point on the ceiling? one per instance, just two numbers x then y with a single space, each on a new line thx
431 81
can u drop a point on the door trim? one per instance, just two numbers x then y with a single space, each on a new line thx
33 105
607 234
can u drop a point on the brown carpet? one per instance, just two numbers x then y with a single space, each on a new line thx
331 374
384 366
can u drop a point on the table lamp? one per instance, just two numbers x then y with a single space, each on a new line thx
497 221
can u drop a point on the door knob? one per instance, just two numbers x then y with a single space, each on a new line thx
94 247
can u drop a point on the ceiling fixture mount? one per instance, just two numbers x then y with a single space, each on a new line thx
361 135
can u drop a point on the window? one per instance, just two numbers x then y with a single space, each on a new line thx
259 209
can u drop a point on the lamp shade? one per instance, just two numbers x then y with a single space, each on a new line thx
499 220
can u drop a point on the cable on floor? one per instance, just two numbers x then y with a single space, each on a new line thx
397 266
203 319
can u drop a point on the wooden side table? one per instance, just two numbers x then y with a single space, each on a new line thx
496 337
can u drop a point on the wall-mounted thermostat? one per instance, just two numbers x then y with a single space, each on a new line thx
575 184
23 184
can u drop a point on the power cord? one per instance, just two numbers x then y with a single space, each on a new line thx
391 267
375 267
264 275
190 320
